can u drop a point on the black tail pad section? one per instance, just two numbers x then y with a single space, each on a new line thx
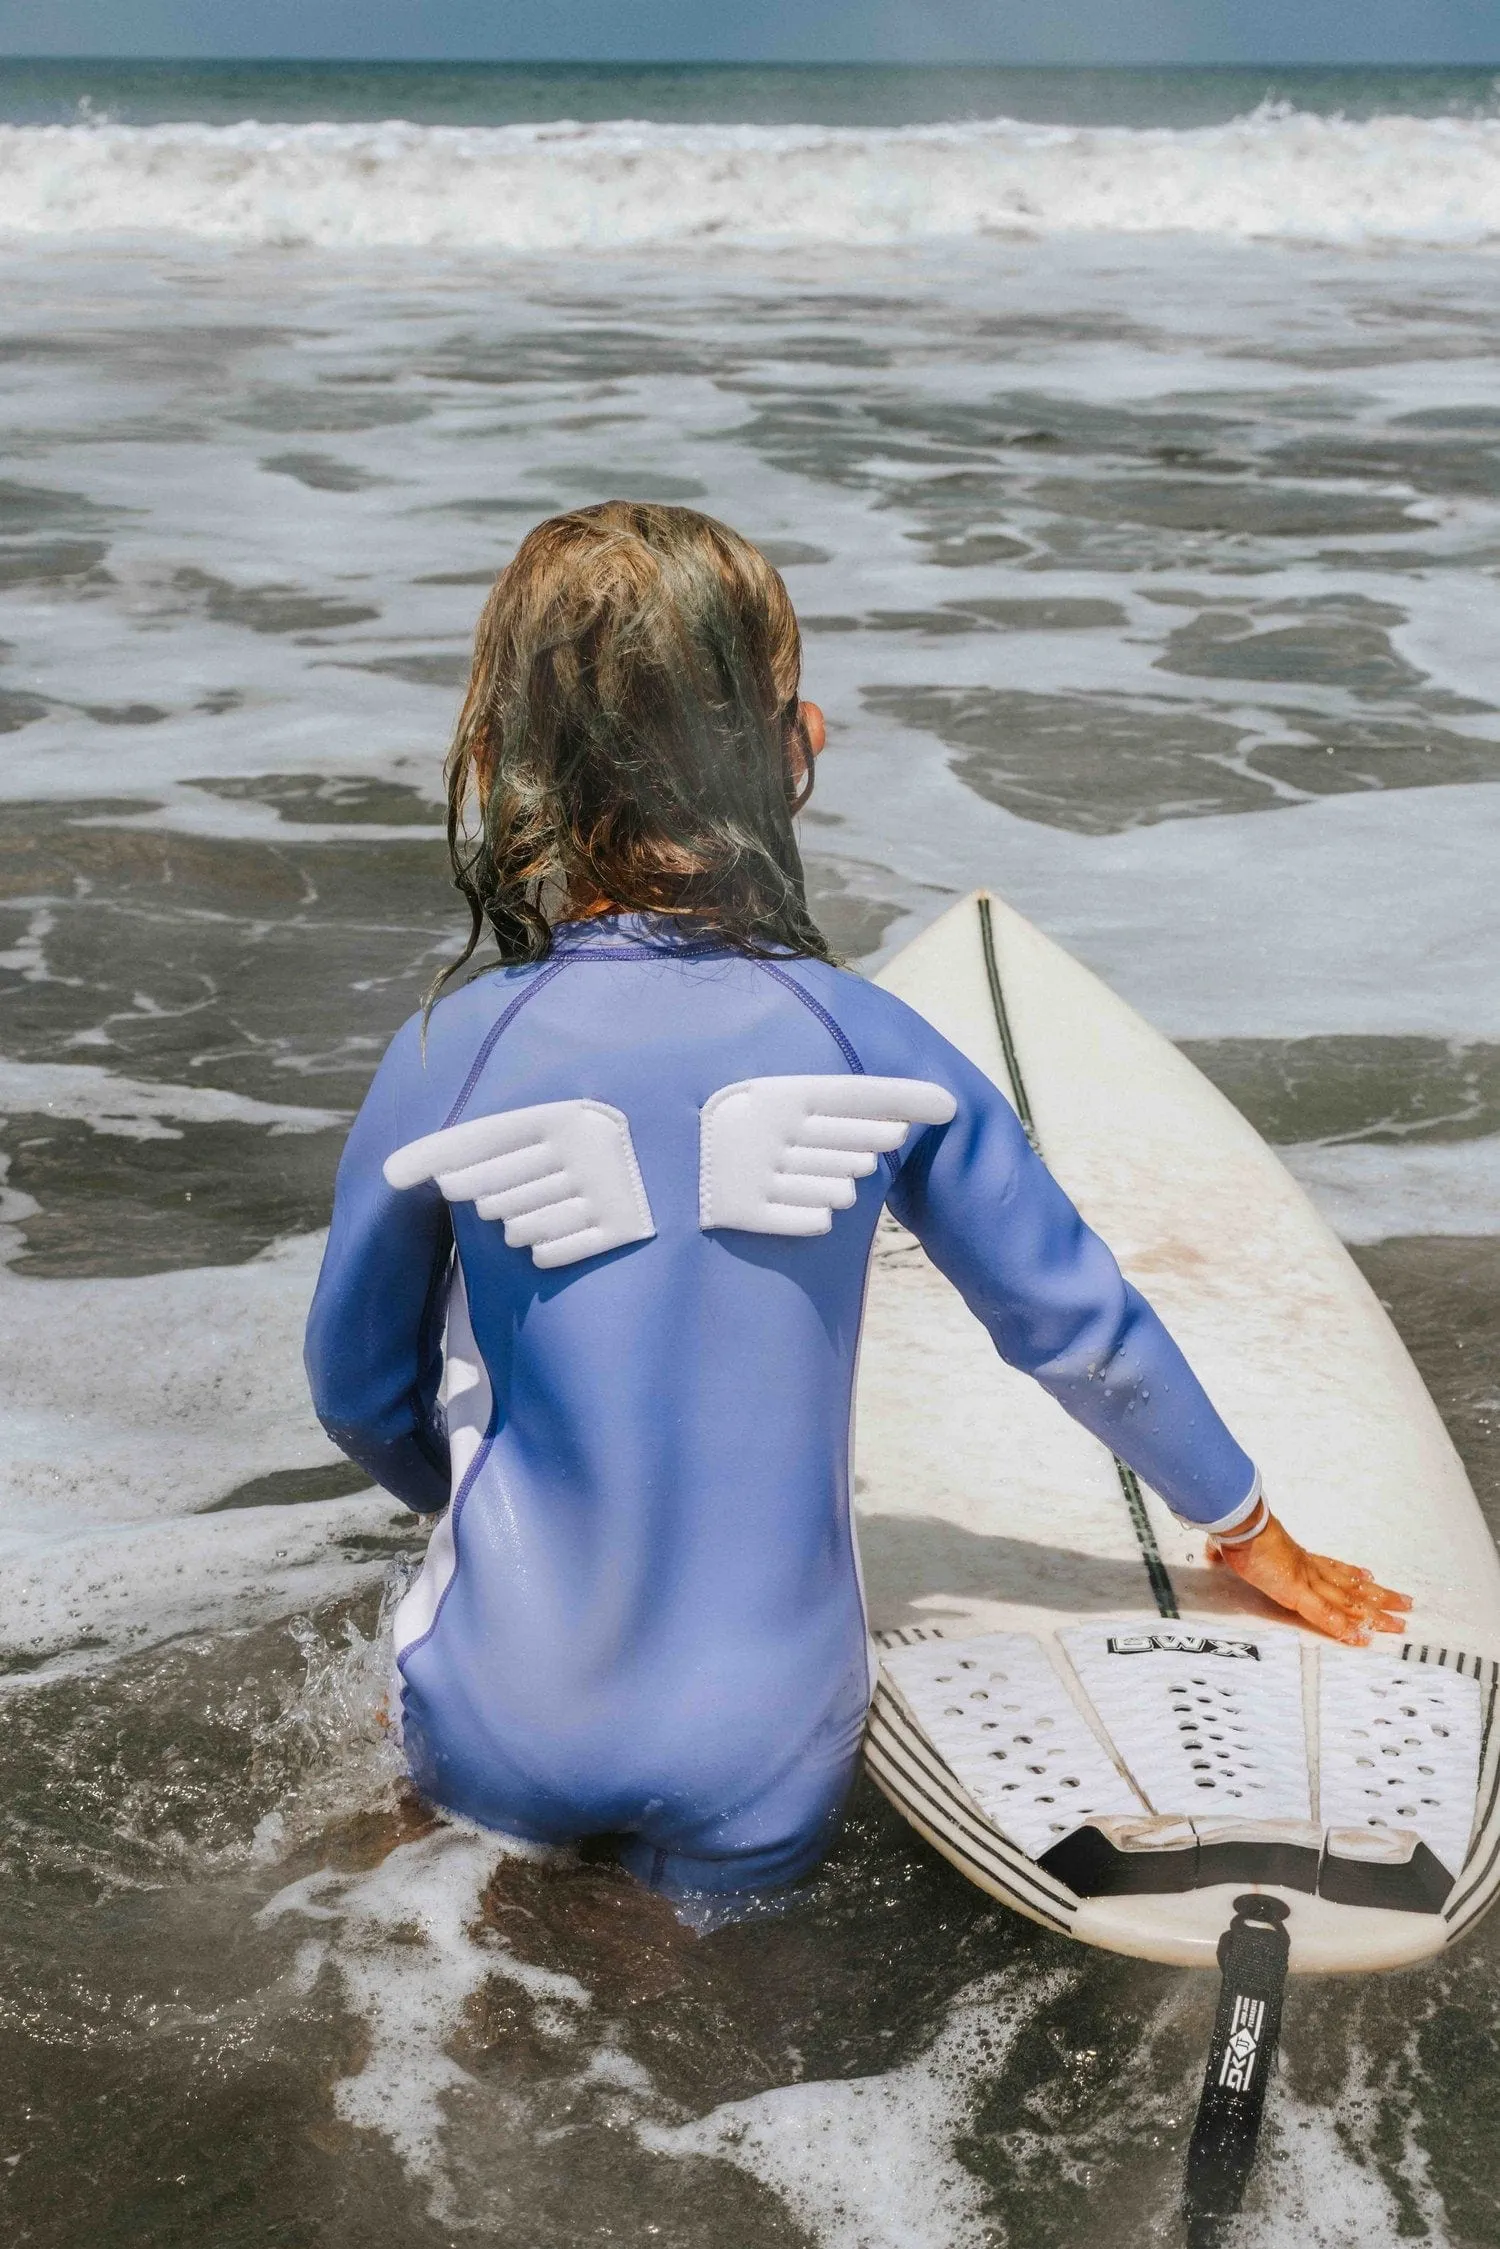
1093 1867
1291 1866
1419 1884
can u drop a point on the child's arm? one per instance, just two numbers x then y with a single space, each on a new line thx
1056 1305
373 1350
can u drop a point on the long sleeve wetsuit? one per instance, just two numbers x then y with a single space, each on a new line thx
641 1614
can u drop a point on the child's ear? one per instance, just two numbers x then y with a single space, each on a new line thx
814 731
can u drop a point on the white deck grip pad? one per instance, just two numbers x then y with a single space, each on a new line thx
1004 1724
1400 1748
781 1155
1208 1724
561 1177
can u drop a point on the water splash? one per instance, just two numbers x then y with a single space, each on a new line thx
870 2162
411 1950
1320 2185
1277 173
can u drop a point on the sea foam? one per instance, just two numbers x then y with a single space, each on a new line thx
1277 173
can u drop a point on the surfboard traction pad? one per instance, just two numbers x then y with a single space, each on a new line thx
1133 1755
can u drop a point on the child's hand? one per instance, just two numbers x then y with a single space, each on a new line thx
1339 1599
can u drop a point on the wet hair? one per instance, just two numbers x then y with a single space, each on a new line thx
631 735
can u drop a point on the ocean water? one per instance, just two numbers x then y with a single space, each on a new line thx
35 91
1146 542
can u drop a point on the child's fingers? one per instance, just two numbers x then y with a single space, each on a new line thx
1357 1615
1329 1617
1347 1573
1320 1599
1376 1605
1389 1612
1390 1615
1351 1612
1355 1587
1342 1573
1368 1607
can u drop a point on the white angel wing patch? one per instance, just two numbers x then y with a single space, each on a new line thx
561 1177
781 1155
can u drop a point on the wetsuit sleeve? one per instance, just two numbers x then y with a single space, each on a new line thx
991 1216
373 1350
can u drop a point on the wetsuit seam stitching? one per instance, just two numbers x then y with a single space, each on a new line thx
492 1037
643 953
816 1007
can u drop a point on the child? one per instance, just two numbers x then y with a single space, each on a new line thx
625 1186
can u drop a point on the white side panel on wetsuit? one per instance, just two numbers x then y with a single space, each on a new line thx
561 1177
468 1402
781 1155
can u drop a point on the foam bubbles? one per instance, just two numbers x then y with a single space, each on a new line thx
131 1405
1321 2189
132 1109
562 186
869 2162
130 1400
1374 1193
407 1944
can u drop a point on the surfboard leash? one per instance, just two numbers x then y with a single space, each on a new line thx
1253 1955
1158 1576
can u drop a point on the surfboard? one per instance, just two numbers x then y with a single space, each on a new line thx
1087 1718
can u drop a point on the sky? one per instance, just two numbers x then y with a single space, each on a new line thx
1056 31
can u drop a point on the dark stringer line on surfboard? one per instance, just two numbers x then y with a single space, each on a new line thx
1002 1024
1163 1592
1158 1576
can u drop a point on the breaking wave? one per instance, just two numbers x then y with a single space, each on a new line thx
1277 173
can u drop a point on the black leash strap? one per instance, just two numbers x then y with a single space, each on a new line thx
1253 1954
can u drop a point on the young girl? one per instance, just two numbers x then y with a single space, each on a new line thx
623 1189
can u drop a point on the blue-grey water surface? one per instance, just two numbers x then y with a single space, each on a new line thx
42 91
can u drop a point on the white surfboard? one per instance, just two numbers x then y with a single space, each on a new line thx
1091 1722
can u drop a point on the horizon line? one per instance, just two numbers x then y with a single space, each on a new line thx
740 62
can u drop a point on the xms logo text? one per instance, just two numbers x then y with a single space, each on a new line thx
1180 1644
1238 2065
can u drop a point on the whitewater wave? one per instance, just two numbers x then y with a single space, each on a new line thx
535 188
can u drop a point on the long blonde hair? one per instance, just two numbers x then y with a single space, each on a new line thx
630 736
